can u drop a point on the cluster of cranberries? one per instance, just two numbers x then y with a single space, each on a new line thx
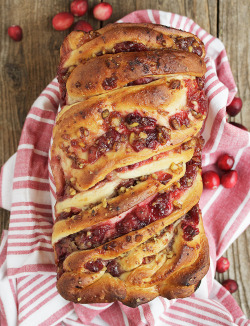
65 20
211 179
78 8
221 267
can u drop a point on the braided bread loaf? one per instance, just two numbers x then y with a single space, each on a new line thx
126 161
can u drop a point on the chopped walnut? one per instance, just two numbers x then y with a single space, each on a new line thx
176 168
133 125
154 176
176 204
72 191
189 144
104 202
197 115
122 190
170 255
131 137
143 135
175 124
115 122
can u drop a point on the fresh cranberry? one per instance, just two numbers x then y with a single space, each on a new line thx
225 162
229 179
62 21
222 265
238 125
234 107
15 32
82 25
230 285
102 11
79 7
211 180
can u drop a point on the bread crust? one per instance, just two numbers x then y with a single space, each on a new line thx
120 69
126 161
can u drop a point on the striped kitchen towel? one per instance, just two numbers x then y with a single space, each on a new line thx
28 294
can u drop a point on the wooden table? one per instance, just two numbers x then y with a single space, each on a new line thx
28 66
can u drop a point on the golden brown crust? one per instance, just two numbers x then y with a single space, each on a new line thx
178 276
120 245
126 160
151 35
146 100
101 74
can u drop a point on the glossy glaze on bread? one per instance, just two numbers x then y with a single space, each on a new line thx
126 161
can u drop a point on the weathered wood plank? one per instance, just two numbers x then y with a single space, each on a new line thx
28 66
233 30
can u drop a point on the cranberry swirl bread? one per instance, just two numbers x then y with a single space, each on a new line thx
126 161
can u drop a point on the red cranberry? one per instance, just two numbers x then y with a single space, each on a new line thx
62 21
94 266
235 107
230 285
79 7
82 25
225 162
129 46
211 180
189 232
238 125
15 32
222 265
102 11
229 179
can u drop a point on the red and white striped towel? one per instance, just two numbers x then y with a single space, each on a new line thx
28 294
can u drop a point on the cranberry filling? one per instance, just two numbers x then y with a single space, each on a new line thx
94 266
135 117
178 120
103 144
129 46
196 98
141 81
142 132
189 44
65 215
190 222
109 83
163 177
160 206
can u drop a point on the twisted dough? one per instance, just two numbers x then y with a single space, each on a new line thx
126 161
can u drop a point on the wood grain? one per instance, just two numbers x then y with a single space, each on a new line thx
27 67
233 31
